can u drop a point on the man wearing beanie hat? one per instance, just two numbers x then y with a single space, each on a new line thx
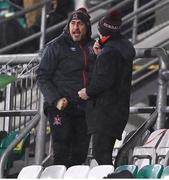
65 68
110 24
108 93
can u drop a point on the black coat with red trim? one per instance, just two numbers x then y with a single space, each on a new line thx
65 68
109 90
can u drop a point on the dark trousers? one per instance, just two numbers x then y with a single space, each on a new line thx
70 138
102 148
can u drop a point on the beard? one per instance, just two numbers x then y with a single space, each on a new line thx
77 36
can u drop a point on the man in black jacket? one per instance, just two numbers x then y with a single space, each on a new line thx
65 68
109 89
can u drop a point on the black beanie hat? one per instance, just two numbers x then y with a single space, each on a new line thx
82 15
110 24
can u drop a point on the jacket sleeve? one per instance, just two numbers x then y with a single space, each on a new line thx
104 74
45 72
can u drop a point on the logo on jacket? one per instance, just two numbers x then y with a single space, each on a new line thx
73 49
57 120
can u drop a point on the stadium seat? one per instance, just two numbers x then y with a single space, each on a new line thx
6 79
165 172
6 141
3 134
155 138
143 156
4 5
165 177
161 154
18 152
163 148
54 171
146 154
32 171
150 171
78 171
100 171
132 168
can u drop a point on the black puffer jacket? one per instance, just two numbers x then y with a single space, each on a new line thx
108 109
65 68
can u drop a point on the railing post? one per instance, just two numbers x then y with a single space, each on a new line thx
9 105
135 22
162 89
162 81
41 132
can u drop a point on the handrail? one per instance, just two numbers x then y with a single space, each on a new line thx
117 6
14 113
26 10
100 5
130 16
143 77
17 139
140 110
31 37
123 151
19 58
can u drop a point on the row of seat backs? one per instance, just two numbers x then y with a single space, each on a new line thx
84 171
153 171
148 171
60 171
125 137
154 148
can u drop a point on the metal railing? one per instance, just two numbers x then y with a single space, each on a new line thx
124 150
132 17
33 123
21 96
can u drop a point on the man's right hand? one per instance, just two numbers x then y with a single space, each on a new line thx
61 103
82 94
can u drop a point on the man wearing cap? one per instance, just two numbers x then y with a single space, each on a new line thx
65 68
108 93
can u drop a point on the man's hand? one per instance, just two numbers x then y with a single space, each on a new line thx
82 94
96 47
62 103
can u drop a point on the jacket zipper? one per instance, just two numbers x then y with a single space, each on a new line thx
85 65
